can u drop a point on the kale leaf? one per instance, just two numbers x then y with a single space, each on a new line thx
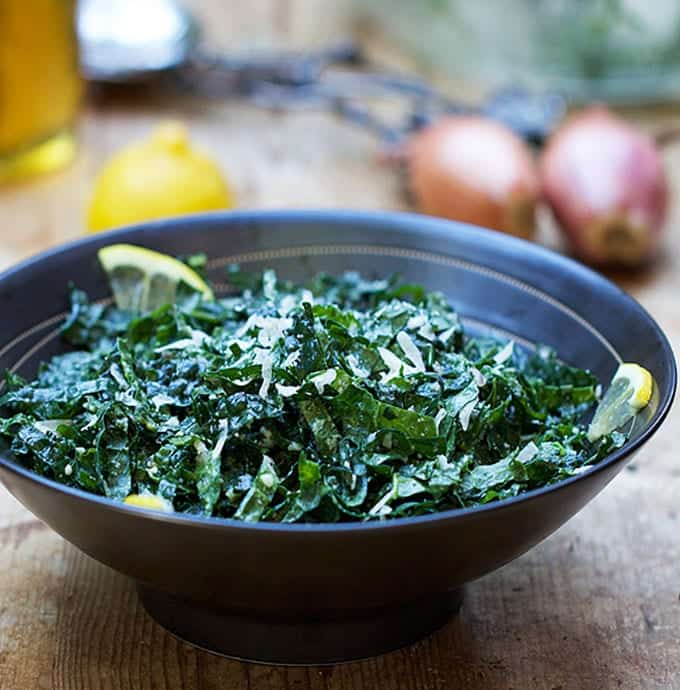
343 399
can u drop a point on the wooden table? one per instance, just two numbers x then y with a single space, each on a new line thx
597 605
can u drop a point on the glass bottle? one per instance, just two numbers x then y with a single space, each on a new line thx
40 86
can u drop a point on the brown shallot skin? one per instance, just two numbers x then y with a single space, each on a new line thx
607 187
474 170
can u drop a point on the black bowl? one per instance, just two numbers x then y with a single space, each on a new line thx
325 593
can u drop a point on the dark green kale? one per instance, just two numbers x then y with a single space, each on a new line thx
346 399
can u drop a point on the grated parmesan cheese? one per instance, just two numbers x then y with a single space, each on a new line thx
286 391
271 328
287 304
356 368
505 353
266 360
159 400
416 322
478 377
527 453
411 350
323 379
465 414
393 363
196 340
50 425
292 359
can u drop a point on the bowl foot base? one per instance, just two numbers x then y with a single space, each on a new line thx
300 642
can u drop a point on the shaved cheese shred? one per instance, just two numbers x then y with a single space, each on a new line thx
446 335
527 453
442 462
287 304
422 326
416 322
292 359
323 379
465 414
410 350
196 340
393 363
222 438
50 425
355 366
425 331
505 353
286 391
478 377
271 328
160 400
117 376
381 507
264 357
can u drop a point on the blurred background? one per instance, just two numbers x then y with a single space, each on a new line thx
622 50
312 135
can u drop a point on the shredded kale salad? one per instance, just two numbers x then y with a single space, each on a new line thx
341 400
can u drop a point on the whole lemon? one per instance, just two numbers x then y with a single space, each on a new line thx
160 177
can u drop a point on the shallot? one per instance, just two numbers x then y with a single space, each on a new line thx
475 170
607 188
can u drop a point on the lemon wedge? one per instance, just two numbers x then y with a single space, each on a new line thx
150 502
629 392
142 279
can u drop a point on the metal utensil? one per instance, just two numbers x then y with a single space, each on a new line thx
125 41
128 40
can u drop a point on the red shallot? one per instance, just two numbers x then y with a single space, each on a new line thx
607 187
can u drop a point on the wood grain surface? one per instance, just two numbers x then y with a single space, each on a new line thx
597 605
